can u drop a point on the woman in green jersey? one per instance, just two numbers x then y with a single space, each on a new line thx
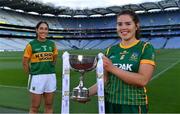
128 66
39 63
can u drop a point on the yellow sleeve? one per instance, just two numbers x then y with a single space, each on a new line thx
55 52
148 62
28 51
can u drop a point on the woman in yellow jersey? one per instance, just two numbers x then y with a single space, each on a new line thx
39 63
128 66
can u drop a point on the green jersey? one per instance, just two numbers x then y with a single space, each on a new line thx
129 59
41 55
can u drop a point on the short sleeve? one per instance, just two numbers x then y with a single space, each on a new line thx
148 54
28 51
55 52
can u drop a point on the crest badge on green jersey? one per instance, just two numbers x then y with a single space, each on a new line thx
50 48
134 56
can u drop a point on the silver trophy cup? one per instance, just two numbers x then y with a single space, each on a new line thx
81 64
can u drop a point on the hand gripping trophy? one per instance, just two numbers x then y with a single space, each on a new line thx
81 64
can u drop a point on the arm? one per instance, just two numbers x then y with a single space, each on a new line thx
93 89
55 55
26 58
138 79
25 63
54 59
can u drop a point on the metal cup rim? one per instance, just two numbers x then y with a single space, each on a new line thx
85 56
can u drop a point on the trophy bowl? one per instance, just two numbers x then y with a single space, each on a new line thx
82 64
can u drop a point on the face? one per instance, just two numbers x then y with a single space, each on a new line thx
126 27
42 31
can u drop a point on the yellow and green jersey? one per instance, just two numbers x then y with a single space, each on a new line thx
129 59
41 55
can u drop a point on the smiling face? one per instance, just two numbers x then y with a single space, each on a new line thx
126 27
42 31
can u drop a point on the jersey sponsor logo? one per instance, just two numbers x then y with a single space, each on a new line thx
37 49
122 54
42 57
122 57
44 47
127 67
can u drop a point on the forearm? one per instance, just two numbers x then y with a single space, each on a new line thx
93 90
25 63
26 68
54 59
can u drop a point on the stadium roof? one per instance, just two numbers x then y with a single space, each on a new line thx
42 8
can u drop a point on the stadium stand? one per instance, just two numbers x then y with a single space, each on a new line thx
173 43
17 28
158 43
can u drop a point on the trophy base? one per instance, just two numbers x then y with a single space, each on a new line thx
80 94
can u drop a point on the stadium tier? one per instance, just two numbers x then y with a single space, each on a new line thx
161 28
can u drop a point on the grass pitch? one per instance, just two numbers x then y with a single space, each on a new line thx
163 89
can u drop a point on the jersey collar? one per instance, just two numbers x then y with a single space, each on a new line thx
129 46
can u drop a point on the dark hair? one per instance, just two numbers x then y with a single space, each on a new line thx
134 17
39 23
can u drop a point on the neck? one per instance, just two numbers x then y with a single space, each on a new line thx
128 42
41 40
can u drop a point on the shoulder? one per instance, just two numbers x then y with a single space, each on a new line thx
147 47
145 43
29 44
114 46
32 42
111 48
